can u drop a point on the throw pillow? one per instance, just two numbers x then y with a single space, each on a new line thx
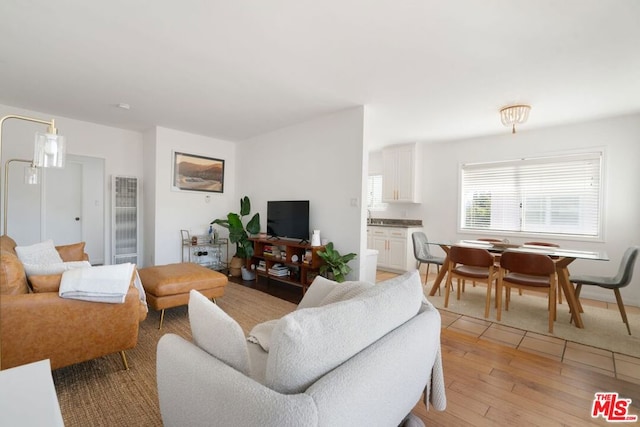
345 291
317 290
217 333
58 267
40 253
45 283
73 252
306 344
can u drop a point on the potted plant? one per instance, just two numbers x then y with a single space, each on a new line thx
335 264
239 235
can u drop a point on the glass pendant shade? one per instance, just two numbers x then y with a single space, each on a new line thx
49 151
31 175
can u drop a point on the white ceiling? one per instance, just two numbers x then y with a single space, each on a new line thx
426 70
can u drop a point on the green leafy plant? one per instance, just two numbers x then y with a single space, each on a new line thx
335 263
238 234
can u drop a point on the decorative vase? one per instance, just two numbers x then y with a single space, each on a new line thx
235 266
315 238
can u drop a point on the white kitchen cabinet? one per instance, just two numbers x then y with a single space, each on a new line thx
400 180
394 246
379 243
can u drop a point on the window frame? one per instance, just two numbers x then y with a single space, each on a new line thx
381 206
553 157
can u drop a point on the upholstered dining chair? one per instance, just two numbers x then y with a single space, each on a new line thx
422 253
620 280
475 264
528 271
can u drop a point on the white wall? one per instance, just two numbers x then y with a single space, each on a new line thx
619 136
121 150
319 160
172 210
148 189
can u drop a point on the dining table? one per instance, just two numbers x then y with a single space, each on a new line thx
562 257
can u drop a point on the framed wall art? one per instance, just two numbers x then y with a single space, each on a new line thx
192 172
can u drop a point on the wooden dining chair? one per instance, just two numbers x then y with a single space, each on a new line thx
535 272
549 245
474 264
496 257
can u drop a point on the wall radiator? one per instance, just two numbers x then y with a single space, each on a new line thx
124 219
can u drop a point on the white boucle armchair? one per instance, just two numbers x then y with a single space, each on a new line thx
352 354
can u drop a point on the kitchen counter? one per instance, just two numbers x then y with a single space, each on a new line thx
389 222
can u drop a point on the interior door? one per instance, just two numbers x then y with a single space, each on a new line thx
62 204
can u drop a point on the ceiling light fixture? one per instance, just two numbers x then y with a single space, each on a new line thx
514 114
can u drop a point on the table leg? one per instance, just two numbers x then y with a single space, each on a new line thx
442 272
499 296
567 288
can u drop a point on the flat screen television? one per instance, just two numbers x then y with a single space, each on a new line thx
288 219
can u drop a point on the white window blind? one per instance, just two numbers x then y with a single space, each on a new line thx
554 195
374 193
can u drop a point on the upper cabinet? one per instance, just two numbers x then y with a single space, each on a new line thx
400 180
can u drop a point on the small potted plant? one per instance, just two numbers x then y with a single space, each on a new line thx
239 235
335 265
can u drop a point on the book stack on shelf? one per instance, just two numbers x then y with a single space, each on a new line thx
268 250
262 266
279 270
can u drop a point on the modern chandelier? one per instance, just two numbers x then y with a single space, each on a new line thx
512 115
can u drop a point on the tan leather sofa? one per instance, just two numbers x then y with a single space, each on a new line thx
36 324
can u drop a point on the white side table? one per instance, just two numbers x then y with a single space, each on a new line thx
28 397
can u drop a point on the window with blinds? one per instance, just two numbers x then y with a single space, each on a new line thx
374 193
552 195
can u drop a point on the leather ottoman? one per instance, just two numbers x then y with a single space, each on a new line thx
168 286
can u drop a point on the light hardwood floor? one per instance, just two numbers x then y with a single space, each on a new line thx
489 383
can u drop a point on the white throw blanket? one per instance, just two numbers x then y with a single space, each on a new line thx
107 283
261 334
434 391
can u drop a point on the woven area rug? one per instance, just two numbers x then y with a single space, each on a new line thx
603 327
100 393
